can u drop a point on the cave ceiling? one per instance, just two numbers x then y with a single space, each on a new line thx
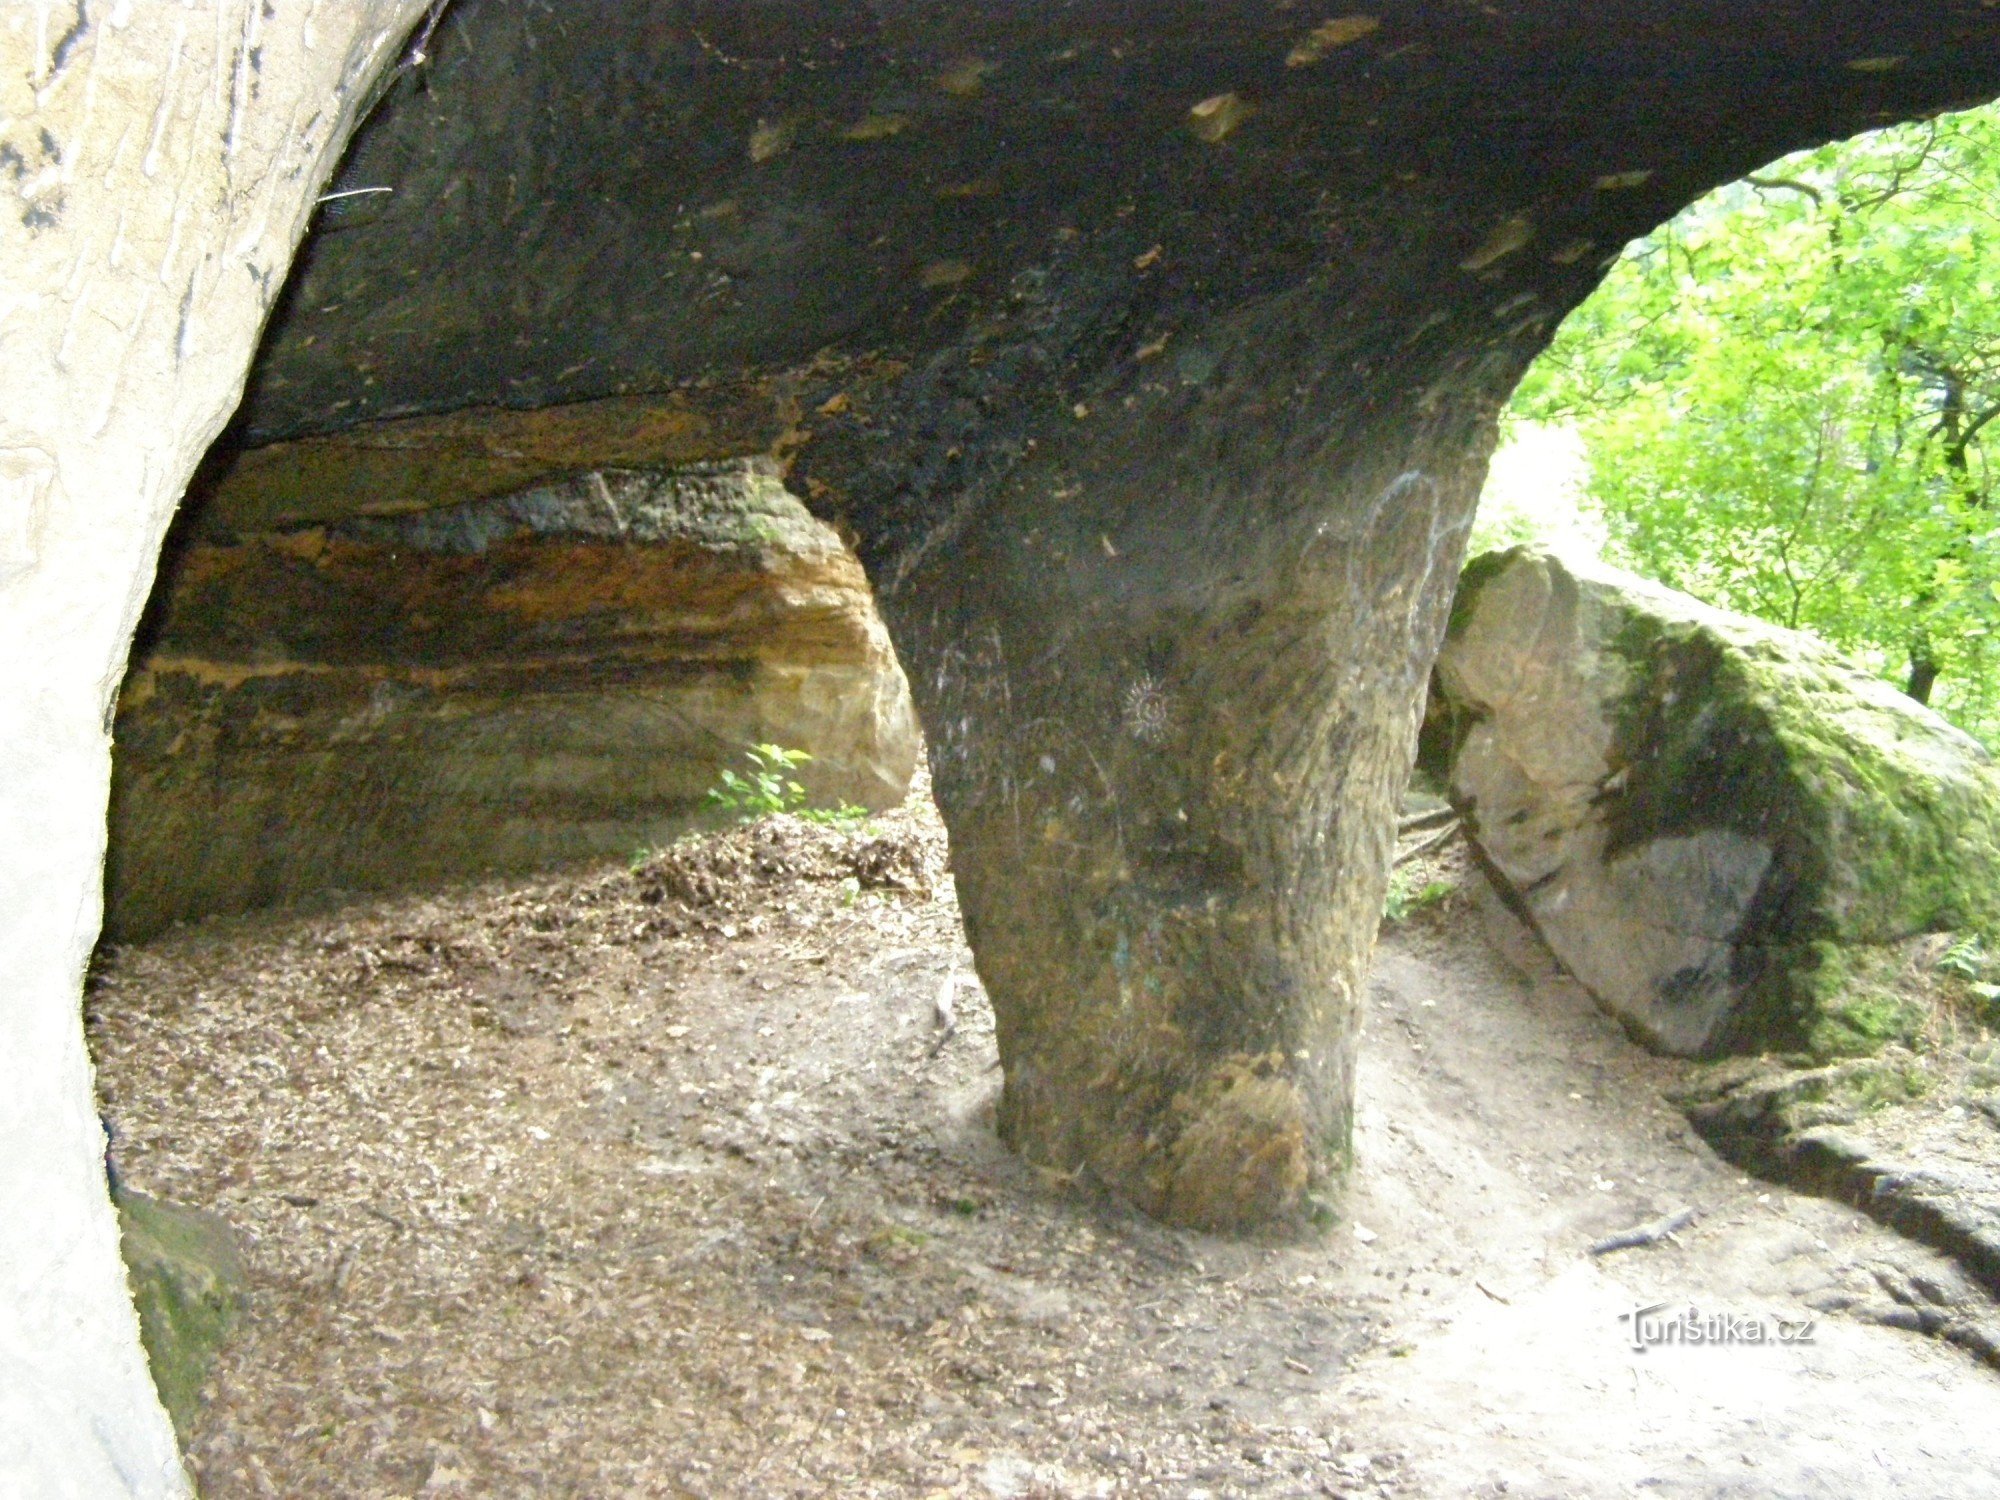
892 242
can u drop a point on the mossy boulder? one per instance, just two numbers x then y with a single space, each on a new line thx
1714 823
187 1282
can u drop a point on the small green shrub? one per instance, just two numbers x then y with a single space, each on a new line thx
770 788
1967 958
1406 898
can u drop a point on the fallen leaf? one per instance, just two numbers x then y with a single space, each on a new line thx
770 138
1508 236
966 77
1328 35
876 128
943 273
1217 117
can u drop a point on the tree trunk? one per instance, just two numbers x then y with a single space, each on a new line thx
1923 675
1958 429
167 159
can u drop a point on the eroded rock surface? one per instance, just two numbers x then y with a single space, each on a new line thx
499 684
1908 1140
157 167
1713 822
1148 354
188 1284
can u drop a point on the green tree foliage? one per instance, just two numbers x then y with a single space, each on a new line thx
1790 401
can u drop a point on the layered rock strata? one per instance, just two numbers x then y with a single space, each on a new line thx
497 685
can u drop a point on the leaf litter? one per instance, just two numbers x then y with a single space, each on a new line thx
679 1179
673 1180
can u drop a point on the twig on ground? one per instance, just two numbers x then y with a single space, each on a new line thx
947 1012
344 1268
1437 817
1433 842
1645 1234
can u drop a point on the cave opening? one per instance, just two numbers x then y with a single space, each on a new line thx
1782 401
1148 362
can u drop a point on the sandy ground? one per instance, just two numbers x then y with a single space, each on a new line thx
670 1183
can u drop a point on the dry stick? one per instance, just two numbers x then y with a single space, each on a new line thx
946 1011
1427 845
337 1282
1645 1234
1437 817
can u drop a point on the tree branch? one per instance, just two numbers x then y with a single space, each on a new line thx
1789 185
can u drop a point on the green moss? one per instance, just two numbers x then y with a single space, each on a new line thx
1901 1081
1882 822
1858 1025
187 1284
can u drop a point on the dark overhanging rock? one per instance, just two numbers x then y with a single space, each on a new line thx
1151 359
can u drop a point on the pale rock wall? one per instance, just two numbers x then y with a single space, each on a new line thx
157 165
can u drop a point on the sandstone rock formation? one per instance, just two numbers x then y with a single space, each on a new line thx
1709 819
1149 353
1149 358
157 168
385 700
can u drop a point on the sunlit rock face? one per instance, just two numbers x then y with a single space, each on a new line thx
1149 355
1713 822
499 684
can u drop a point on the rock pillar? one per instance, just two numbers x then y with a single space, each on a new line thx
1170 677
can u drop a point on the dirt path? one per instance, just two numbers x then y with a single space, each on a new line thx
1508 1125
670 1184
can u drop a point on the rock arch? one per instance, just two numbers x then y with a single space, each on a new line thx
1149 352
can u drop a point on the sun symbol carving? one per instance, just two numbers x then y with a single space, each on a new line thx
1148 711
